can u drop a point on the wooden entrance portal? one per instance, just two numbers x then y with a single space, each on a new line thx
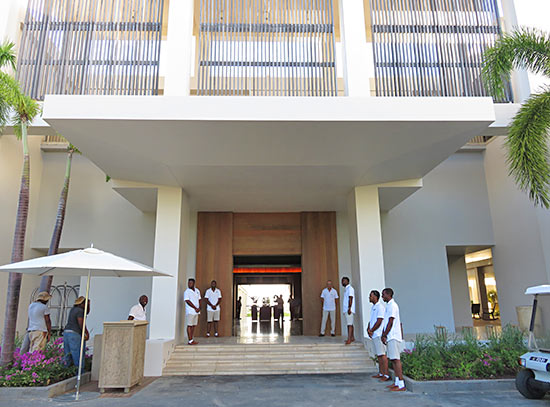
311 235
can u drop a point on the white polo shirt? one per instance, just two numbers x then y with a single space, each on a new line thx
348 292
392 310
194 296
377 311
213 296
138 312
329 296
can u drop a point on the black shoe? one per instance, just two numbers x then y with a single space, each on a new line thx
321 334
332 335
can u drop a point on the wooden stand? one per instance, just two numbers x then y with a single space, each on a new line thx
123 355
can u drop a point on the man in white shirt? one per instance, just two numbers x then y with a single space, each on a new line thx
192 298
213 297
137 312
329 296
392 338
40 325
348 308
374 331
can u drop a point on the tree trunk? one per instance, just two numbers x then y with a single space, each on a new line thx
46 282
14 283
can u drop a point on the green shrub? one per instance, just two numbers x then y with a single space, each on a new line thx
440 357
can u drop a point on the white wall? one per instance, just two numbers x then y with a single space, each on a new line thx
521 235
450 209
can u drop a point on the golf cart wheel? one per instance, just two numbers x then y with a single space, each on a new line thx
526 386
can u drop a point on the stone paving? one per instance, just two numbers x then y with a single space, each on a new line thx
342 390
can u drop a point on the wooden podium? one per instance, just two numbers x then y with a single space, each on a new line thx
123 354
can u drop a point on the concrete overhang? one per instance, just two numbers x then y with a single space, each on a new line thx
267 153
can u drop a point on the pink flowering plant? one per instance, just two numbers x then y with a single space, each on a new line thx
39 368
440 358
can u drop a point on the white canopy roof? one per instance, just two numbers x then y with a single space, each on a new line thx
78 262
538 289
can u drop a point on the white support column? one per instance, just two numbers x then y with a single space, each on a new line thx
357 54
179 48
366 246
170 257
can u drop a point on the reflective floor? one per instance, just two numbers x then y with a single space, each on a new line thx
272 331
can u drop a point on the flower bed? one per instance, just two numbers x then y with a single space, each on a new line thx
440 358
39 368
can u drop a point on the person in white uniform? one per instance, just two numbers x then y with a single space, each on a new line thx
348 308
137 312
213 297
329 296
392 338
374 332
192 298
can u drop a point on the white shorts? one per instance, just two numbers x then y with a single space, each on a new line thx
213 315
378 348
394 349
349 318
192 320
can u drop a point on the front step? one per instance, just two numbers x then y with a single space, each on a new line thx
268 359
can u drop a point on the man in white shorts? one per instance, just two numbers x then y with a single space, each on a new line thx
213 297
392 338
192 299
329 296
348 308
374 331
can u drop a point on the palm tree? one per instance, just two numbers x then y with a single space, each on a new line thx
8 86
46 282
527 143
25 110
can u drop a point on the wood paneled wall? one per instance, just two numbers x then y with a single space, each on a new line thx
319 264
266 234
215 262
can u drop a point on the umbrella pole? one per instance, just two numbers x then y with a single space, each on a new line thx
82 339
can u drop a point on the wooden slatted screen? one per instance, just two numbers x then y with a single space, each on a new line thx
432 47
99 47
266 48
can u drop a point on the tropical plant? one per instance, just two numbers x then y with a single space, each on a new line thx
527 142
24 111
8 86
46 282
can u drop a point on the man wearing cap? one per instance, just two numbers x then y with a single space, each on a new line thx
40 325
72 335
137 312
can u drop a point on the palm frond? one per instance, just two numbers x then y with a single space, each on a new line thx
7 55
9 94
525 48
528 152
26 109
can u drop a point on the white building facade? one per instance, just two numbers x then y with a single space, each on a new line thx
371 110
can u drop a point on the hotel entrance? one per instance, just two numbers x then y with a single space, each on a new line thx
268 297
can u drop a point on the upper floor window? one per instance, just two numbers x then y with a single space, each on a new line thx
98 47
266 48
432 48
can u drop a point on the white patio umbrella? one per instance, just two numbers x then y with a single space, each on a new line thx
90 261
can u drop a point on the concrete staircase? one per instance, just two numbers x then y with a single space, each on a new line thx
268 359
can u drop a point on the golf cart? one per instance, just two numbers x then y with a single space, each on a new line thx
533 382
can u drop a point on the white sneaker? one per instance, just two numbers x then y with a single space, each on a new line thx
208 335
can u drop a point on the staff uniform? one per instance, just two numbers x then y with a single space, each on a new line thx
213 296
348 292
329 308
192 316
394 336
138 312
377 311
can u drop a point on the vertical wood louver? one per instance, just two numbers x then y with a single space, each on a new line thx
91 47
432 47
266 48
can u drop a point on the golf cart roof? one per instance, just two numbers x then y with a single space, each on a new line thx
538 289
